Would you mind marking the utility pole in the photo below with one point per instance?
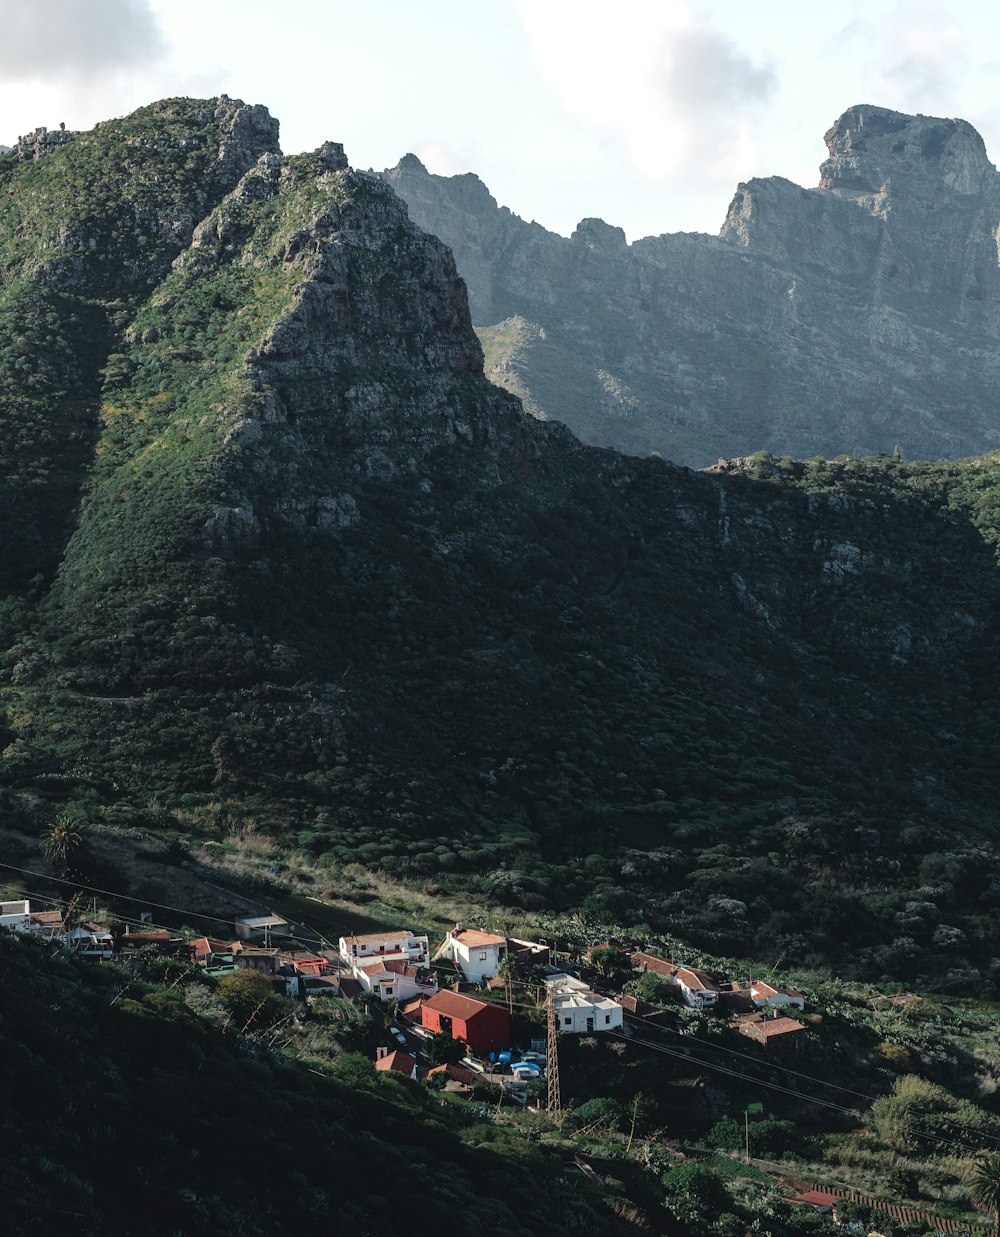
(554, 1102)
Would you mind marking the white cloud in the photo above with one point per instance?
(445, 160)
(671, 92)
(52, 39)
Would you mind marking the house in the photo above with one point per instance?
(397, 1062)
(697, 988)
(47, 923)
(302, 962)
(764, 995)
(15, 916)
(263, 926)
(393, 942)
(460, 1079)
(579, 1011)
(409, 1010)
(636, 1008)
(204, 948)
(395, 978)
(819, 1200)
(482, 1027)
(255, 958)
(221, 964)
(528, 954)
(476, 954)
(773, 1034)
(93, 941)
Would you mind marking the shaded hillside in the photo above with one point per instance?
(851, 317)
(123, 1107)
(326, 574)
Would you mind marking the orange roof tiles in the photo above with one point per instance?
(455, 1005)
(473, 938)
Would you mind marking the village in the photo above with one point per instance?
(478, 1013)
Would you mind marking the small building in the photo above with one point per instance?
(697, 988)
(393, 942)
(93, 941)
(579, 1011)
(821, 1201)
(255, 958)
(397, 1062)
(764, 995)
(476, 954)
(203, 948)
(255, 927)
(15, 916)
(482, 1027)
(528, 954)
(47, 923)
(773, 1034)
(302, 962)
(397, 979)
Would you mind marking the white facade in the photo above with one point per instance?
(696, 987)
(476, 954)
(393, 943)
(15, 916)
(395, 978)
(580, 1011)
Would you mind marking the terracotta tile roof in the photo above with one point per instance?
(689, 976)
(458, 1073)
(394, 966)
(399, 1062)
(455, 1005)
(472, 939)
(206, 945)
(816, 1198)
(765, 990)
(391, 934)
(773, 1027)
(46, 917)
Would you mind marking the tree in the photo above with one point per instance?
(652, 988)
(445, 1049)
(66, 843)
(695, 1194)
(609, 961)
(249, 996)
(985, 1187)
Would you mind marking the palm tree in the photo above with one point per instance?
(986, 1187)
(66, 841)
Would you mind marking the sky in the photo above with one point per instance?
(648, 119)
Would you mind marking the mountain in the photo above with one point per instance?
(302, 564)
(850, 318)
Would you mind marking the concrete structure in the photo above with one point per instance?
(395, 978)
(255, 926)
(764, 996)
(697, 988)
(392, 943)
(482, 1027)
(476, 954)
(15, 916)
(580, 1011)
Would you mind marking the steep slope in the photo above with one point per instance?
(325, 573)
(89, 223)
(848, 318)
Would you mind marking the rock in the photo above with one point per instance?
(848, 318)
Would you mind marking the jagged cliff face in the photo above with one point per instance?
(844, 319)
(323, 567)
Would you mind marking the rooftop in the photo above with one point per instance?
(390, 934)
(455, 1005)
(399, 1062)
(473, 938)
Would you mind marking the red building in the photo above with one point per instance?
(483, 1027)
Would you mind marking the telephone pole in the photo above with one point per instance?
(554, 1103)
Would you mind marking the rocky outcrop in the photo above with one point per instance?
(849, 318)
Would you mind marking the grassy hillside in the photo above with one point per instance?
(328, 578)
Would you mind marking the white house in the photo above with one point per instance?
(765, 995)
(476, 954)
(396, 978)
(579, 1011)
(16, 916)
(698, 989)
(392, 943)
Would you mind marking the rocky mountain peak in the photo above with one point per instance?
(869, 146)
(601, 236)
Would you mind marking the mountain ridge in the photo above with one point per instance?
(841, 319)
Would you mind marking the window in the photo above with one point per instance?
(482, 956)
(607, 1018)
(568, 1022)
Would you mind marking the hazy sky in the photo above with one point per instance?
(648, 118)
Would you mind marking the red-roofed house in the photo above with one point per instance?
(476, 954)
(397, 1062)
(763, 994)
(780, 1034)
(395, 977)
(483, 1027)
(698, 989)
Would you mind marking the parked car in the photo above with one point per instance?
(398, 1036)
(538, 1058)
